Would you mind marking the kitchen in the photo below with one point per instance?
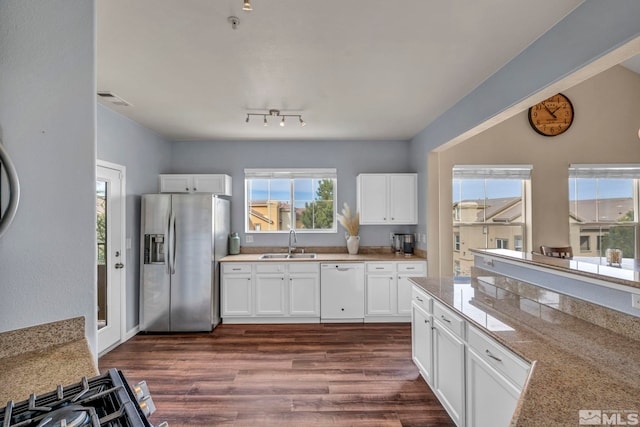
(65, 151)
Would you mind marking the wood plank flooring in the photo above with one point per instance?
(282, 375)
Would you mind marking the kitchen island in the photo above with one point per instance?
(585, 356)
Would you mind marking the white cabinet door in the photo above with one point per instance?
(491, 399)
(270, 295)
(176, 183)
(304, 295)
(448, 371)
(236, 295)
(216, 184)
(381, 294)
(404, 295)
(372, 198)
(403, 194)
(422, 342)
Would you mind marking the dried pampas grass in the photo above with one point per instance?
(350, 223)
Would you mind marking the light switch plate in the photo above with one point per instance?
(248, 239)
(635, 300)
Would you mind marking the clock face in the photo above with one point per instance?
(552, 116)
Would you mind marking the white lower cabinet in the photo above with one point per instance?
(422, 342)
(236, 290)
(304, 294)
(270, 292)
(270, 295)
(477, 379)
(448, 370)
(388, 290)
(491, 398)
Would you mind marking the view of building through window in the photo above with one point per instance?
(487, 211)
(282, 201)
(603, 212)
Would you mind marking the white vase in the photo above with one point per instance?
(353, 244)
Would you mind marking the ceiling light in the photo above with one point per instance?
(247, 5)
(276, 113)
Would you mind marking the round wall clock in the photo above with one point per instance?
(552, 116)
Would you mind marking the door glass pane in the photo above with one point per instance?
(101, 230)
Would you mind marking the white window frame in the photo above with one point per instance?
(614, 171)
(291, 174)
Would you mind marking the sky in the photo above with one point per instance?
(584, 188)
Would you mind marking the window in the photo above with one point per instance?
(585, 244)
(517, 243)
(279, 200)
(488, 209)
(603, 207)
(502, 244)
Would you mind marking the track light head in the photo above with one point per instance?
(247, 120)
(265, 120)
(247, 5)
(302, 122)
(282, 122)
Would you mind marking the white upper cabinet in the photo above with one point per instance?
(217, 184)
(388, 198)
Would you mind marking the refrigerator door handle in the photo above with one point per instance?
(172, 244)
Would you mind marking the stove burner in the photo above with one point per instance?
(67, 416)
(106, 400)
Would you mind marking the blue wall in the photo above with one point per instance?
(145, 155)
(349, 157)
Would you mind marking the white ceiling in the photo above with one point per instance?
(354, 69)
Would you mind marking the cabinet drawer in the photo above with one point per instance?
(379, 267)
(412, 267)
(421, 299)
(269, 267)
(304, 267)
(499, 357)
(232, 267)
(449, 319)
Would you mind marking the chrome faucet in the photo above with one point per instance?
(292, 246)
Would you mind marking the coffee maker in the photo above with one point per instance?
(403, 243)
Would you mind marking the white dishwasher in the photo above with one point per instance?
(342, 292)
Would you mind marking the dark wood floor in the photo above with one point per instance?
(282, 375)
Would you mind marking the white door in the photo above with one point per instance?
(110, 231)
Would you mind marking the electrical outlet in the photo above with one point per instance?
(248, 238)
(635, 300)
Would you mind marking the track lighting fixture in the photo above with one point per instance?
(247, 5)
(276, 113)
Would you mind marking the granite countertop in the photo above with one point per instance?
(326, 257)
(577, 365)
(38, 358)
(628, 274)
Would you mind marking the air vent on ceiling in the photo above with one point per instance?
(113, 99)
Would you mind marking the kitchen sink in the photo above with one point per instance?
(303, 256)
(288, 256)
(274, 256)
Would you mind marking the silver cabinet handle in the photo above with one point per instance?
(411, 268)
(426, 321)
(119, 265)
(492, 356)
(419, 299)
(444, 318)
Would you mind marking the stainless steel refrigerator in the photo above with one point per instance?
(183, 238)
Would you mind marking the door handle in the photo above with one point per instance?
(119, 265)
